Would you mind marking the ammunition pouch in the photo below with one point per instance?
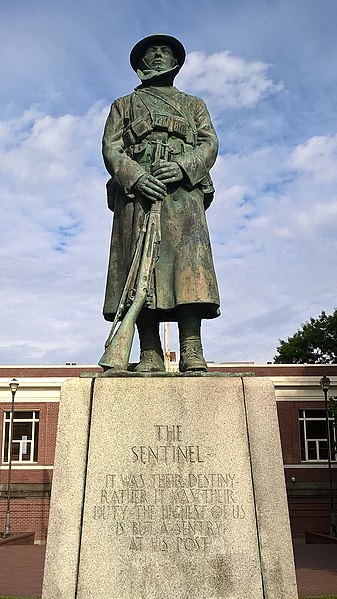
(144, 151)
(136, 131)
(175, 125)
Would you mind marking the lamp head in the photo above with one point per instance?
(13, 385)
(325, 383)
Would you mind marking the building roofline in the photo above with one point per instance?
(32, 371)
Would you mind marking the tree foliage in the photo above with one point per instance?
(314, 343)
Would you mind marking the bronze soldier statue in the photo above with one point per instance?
(156, 116)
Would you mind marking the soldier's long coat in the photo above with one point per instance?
(184, 272)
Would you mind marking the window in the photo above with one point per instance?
(314, 444)
(24, 437)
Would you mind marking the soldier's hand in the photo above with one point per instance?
(151, 188)
(168, 172)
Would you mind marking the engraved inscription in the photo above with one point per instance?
(168, 453)
(176, 511)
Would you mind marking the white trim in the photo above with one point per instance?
(26, 466)
(306, 465)
(35, 400)
(35, 381)
(32, 400)
(297, 399)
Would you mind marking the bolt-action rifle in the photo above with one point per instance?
(138, 283)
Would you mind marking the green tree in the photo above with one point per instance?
(314, 343)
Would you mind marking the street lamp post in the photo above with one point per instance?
(325, 384)
(7, 531)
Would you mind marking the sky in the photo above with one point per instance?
(267, 71)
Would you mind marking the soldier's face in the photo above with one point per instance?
(159, 58)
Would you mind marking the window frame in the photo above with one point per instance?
(303, 418)
(32, 443)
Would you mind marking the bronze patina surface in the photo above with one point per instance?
(158, 146)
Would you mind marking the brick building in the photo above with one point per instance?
(300, 405)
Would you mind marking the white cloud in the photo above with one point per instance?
(53, 259)
(226, 80)
(274, 241)
(317, 156)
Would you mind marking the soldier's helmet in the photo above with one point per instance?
(176, 46)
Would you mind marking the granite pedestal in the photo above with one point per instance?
(169, 488)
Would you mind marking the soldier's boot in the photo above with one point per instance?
(191, 354)
(151, 353)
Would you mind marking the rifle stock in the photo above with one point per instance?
(127, 293)
(118, 345)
